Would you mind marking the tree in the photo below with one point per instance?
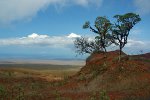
(102, 40)
(84, 45)
(122, 28)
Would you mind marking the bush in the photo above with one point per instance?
(3, 92)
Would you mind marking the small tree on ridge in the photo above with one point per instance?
(122, 28)
(102, 27)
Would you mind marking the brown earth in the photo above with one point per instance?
(103, 77)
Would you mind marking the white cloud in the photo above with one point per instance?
(37, 40)
(16, 10)
(40, 40)
(73, 35)
(35, 36)
(143, 6)
(135, 46)
(136, 43)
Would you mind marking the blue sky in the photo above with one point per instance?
(43, 28)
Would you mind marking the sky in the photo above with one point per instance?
(47, 28)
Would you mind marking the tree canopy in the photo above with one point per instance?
(107, 33)
(124, 23)
(102, 28)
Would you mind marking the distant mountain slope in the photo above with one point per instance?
(146, 55)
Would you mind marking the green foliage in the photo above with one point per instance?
(82, 77)
(99, 96)
(107, 33)
(93, 97)
(86, 25)
(3, 92)
(36, 86)
(6, 74)
(57, 95)
(102, 40)
(102, 29)
(20, 95)
(65, 79)
(97, 70)
(122, 28)
(103, 25)
(35, 95)
(84, 45)
(95, 73)
(104, 96)
(16, 93)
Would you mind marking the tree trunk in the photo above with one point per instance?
(120, 52)
(105, 52)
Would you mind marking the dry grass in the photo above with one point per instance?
(125, 80)
(29, 83)
(49, 73)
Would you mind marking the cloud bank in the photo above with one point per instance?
(143, 6)
(38, 40)
(35, 39)
(135, 46)
(16, 10)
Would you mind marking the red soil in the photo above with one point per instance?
(128, 78)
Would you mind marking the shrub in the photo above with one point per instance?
(3, 92)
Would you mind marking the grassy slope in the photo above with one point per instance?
(28, 82)
(99, 78)
(128, 79)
